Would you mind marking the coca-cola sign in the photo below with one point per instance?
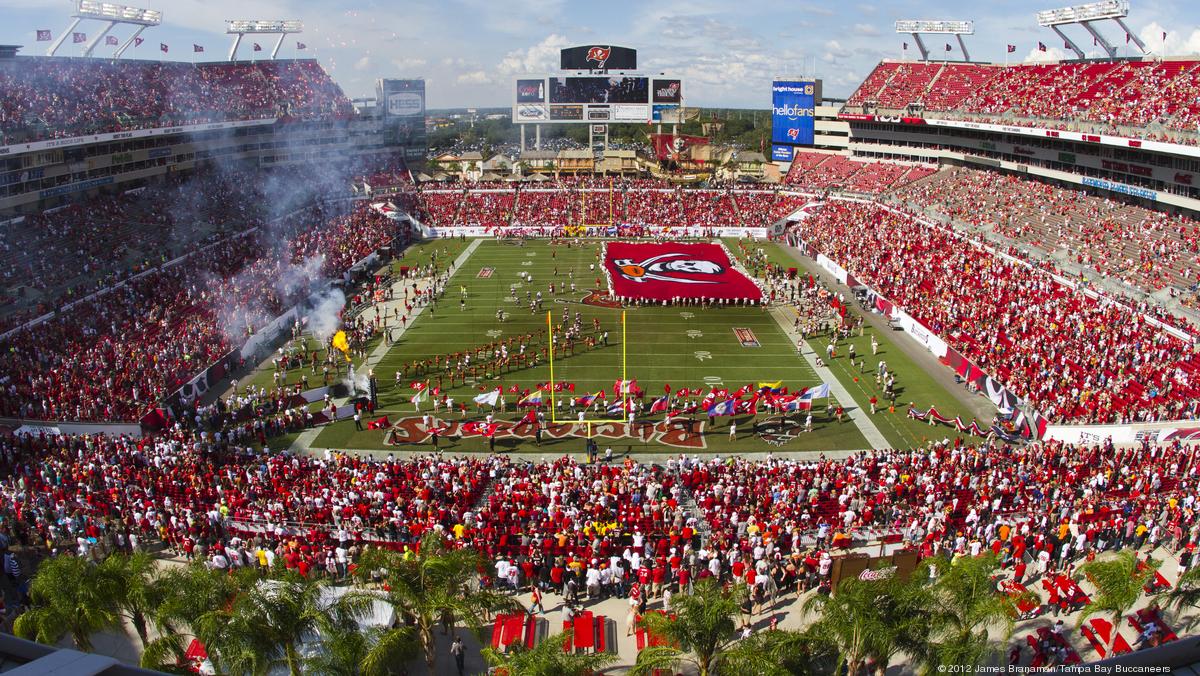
(877, 574)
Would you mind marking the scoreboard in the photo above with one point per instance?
(594, 99)
(793, 108)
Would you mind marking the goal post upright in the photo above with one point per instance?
(550, 359)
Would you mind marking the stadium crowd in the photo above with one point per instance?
(823, 171)
(43, 97)
(591, 531)
(110, 357)
(1107, 96)
(1073, 357)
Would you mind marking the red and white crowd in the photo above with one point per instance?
(822, 171)
(43, 97)
(1106, 95)
(1073, 357)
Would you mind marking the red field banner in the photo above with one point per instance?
(673, 271)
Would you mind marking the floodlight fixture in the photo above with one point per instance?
(1087, 16)
(240, 28)
(111, 14)
(918, 27)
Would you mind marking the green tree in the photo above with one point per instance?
(546, 659)
(187, 594)
(350, 651)
(1185, 597)
(70, 596)
(1118, 583)
(436, 583)
(702, 632)
(967, 606)
(872, 619)
(266, 624)
(134, 579)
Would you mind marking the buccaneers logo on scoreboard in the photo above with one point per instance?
(793, 133)
(599, 55)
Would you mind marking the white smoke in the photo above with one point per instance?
(322, 319)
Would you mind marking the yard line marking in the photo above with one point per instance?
(859, 417)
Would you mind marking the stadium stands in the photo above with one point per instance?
(43, 97)
(822, 171)
(1146, 249)
(1074, 358)
(1115, 96)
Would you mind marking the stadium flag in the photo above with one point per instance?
(1066, 45)
(727, 407)
(948, 46)
(798, 403)
(586, 400)
(819, 392)
(667, 388)
(489, 398)
(660, 404)
(43, 36)
(137, 42)
(1095, 42)
(78, 37)
(111, 40)
(1127, 38)
(1041, 46)
(534, 398)
(1164, 35)
(421, 395)
(197, 48)
(1012, 48)
(774, 387)
(257, 47)
(514, 388)
(162, 47)
(906, 46)
(301, 46)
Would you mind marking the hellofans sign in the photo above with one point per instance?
(793, 109)
(673, 271)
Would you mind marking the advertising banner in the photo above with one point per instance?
(793, 109)
(781, 153)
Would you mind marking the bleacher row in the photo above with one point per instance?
(1107, 94)
(43, 98)
(823, 171)
(491, 208)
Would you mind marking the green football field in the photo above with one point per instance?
(680, 346)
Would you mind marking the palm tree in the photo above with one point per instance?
(186, 595)
(703, 630)
(1119, 584)
(547, 659)
(872, 619)
(349, 651)
(433, 584)
(266, 625)
(135, 581)
(69, 596)
(967, 606)
(1186, 595)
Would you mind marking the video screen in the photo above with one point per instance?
(602, 89)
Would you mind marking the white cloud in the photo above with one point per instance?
(363, 63)
(1178, 42)
(866, 29)
(540, 58)
(474, 77)
(1036, 55)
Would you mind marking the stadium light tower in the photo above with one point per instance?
(918, 27)
(243, 27)
(111, 14)
(1086, 16)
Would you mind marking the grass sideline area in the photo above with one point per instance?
(682, 346)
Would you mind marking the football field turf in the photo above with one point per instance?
(681, 346)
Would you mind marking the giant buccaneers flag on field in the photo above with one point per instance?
(669, 271)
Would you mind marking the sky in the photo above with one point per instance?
(469, 51)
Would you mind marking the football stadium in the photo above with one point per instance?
(471, 348)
